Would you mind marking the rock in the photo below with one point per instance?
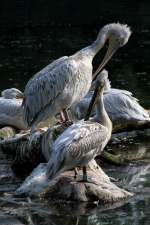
(65, 187)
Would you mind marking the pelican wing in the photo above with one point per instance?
(118, 91)
(46, 86)
(11, 113)
(77, 133)
(88, 139)
(121, 105)
(9, 106)
(75, 144)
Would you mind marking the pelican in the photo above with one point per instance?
(10, 108)
(120, 105)
(11, 93)
(68, 79)
(83, 140)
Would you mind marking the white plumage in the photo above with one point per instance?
(120, 105)
(68, 79)
(123, 107)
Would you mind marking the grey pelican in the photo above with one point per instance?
(83, 140)
(68, 79)
(120, 105)
(10, 108)
(11, 93)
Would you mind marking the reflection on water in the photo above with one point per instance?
(25, 52)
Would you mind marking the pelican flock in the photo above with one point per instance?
(68, 79)
(120, 105)
(65, 84)
(83, 140)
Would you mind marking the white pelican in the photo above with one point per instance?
(83, 140)
(68, 79)
(10, 108)
(120, 105)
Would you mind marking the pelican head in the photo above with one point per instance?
(103, 73)
(12, 93)
(101, 80)
(117, 35)
(107, 81)
(99, 84)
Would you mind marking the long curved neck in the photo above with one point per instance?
(93, 49)
(97, 45)
(101, 114)
(99, 42)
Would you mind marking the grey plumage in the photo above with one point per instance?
(120, 105)
(80, 143)
(10, 109)
(50, 88)
(68, 79)
(12, 93)
(76, 146)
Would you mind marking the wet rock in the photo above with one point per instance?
(65, 187)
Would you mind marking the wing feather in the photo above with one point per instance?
(75, 133)
(46, 86)
(74, 146)
(9, 106)
(121, 105)
(11, 113)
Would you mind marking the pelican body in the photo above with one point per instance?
(68, 79)
(10, 108)
(82, 141)
(120, 105)
(12, 93)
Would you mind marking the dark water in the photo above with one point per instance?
(22, 54)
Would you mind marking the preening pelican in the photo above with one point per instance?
(120, 105)
(83, 140)
(68, 79)
(10, 108)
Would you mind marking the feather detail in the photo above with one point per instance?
(77, 145)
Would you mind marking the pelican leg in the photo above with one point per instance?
(84, 176)
(75, 172)
(65, 118)
(62, 116)
(66, 115)
(68, 120)
(85, 179)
